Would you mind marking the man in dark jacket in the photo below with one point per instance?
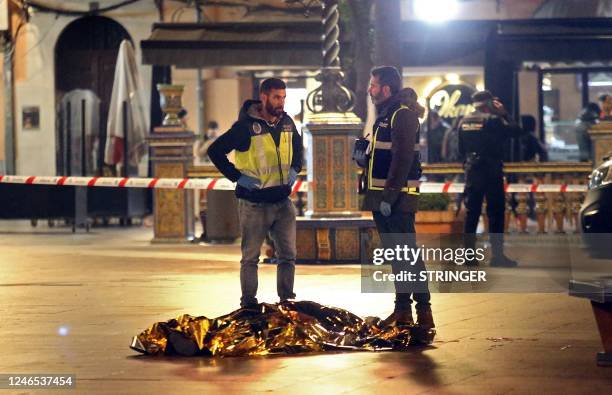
(530, 144)
(436, 129)
(393, 170)
(588, 117)
(268, 157)
(482, 134)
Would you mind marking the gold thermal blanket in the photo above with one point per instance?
(284, 328)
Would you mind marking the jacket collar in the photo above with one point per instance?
(251, 109)
(383, 108)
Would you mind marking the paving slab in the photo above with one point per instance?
(72, 302)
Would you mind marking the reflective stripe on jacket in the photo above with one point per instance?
(380, 157)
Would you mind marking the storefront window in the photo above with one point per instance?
(562, 104)
(571, 105)
(446, 95)
(599, 84)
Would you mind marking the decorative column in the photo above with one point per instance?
(332, 230)
(508, 212)
(541, 210)
(331, 132)
(171, 155)
(559, 210)
(522, 209)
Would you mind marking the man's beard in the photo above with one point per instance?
(277, 111)
(375, 99)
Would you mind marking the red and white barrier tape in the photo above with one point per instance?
(132, 182)
(225, 184)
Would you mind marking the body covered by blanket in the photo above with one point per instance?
(289, 327)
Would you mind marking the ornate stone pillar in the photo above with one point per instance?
(333, 230)
(331, 172)
(171, 150)
(331, 132)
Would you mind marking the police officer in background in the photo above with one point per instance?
(393, 169)
(482, 134)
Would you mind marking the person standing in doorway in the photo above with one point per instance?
(587, 118)
(436, 129)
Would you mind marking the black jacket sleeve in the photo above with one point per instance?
(233, 139)
(298, 150)
(403, 138)
(460, 146)
(542, 153)
(511, 129)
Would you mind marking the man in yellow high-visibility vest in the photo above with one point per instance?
(268, 157)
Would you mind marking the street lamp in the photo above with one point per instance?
(332, 229)
(435, 10)
(331, 96)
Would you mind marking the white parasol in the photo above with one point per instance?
(126, 87)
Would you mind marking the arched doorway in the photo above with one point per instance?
(85, 58)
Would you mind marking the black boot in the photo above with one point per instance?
(502, 261)
(399, 318)
(498, 258)
(425, 318)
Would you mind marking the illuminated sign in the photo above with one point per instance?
(451, 100)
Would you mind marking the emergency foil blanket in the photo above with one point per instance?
(284, 328)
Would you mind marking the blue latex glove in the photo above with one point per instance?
(385, 208)
(292, 177)
(249, 182)
(361, 158)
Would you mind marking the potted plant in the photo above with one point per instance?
(436, 215)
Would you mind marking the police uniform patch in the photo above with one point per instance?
(472, 126)
(256, 128)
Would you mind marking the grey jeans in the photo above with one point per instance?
(256, 220)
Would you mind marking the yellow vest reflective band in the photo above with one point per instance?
(380, 157)
(265, 161)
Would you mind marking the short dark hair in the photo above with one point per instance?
(528, 122)
(388, 75)
(593, 107)
(213, 125)
(271, 83)
(603, 97)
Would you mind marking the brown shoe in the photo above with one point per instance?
(425, 318)
(398, 317)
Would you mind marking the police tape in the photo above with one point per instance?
(225, 184)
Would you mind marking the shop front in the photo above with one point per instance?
(548, 68)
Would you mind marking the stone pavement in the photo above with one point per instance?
(71, 304)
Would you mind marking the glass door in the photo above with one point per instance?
(562, 102)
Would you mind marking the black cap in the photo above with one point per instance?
(481, 98)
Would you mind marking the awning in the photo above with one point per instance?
(281, 44)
